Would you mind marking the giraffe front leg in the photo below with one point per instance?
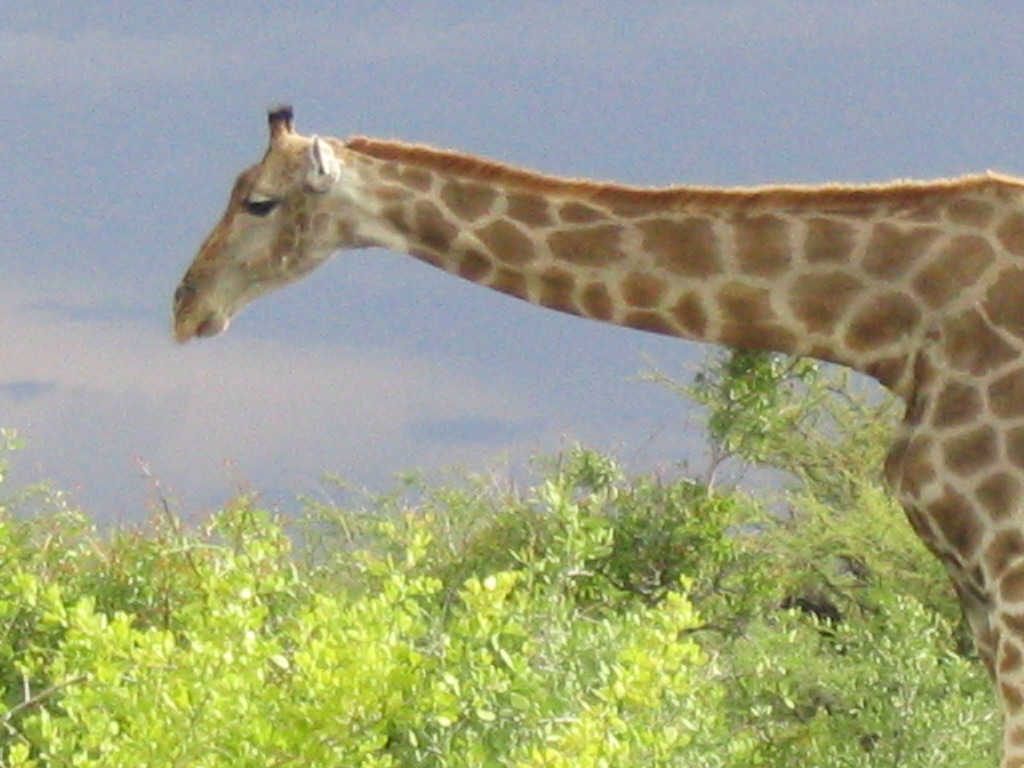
(1008, 642)
(1010, 682)
(968, 520)
(989, 581)
(997, 625)
(1001, 563)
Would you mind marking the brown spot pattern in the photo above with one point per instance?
(1010, 657)
(511, 282)
(819, 300)
(1015, 446)
(882, 321)
(954, 516)
(474, 266)
(973, 213)
(400, 217)
(820, 351)
(924, 212)
(689, 312)
(1013, 700)
(643, 290)
(888, 371)
(1017, 739)
(1015, 623)
(686, 247)
(467, 200)
(999, 495)
(391, 194)
(1006, 395)
(1005, 301)
(762, 245)
(744, 304)
(407, 176)
(556, 290)
(972, 452)
(748, 320)
(1006, 546)
(893, 465)
(531, 210)
(1011, 233)
(432, 229)
(580, 213)
(649, 321)
(507, 242)
(428, 257)
(959, 266)
(597, 302)
(588, 246)
(971, 345)
(915, 469)
(892, 250)
(771, 337)
(957, 404)
(829, 240)
(1011, 585)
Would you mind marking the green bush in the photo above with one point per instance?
(591, 619)
(246, 665)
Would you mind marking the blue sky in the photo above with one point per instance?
(125, 123)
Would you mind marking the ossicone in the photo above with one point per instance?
(281, 120)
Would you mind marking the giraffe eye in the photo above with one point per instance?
(184, 292)
(261, 206)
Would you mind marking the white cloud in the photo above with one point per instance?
(114, 393)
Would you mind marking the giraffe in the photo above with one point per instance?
(919, 285)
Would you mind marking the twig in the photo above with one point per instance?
(39, 698)
(165, 504)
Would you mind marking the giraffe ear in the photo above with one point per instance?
(323, 167)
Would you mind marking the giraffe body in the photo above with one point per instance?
(917, 284)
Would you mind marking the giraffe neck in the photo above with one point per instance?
(853, 275)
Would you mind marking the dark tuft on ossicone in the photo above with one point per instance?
(281, 116)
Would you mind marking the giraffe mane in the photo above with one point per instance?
(473, 168)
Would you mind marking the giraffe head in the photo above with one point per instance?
(281, 222)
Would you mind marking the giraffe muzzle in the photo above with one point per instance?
(212, 325)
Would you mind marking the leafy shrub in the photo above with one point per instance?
(244, 664)
(592, 619)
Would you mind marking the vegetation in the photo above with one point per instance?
(592, 619)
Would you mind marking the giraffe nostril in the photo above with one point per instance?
(212, 325)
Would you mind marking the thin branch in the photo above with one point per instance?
(39, 698)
